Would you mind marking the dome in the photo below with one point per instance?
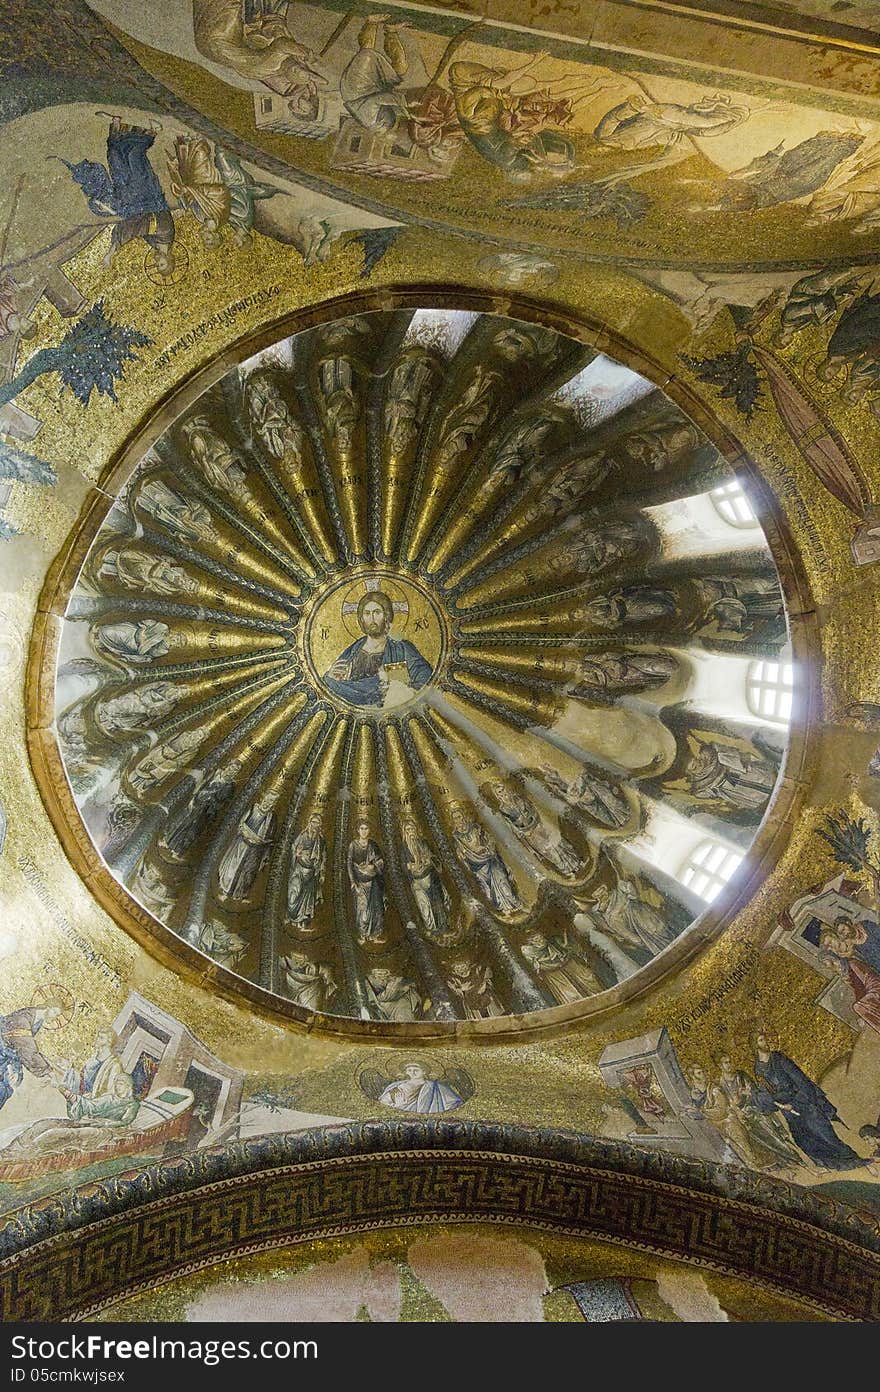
(410, 677)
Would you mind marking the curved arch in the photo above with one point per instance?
(72, 1255)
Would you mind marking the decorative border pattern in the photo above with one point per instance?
(73, 1254)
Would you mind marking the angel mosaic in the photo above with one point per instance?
(420, 1089)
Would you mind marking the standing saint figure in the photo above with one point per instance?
(308, 861)
(409, 396)
(152, 891)
(142, 570)
(360, 674)
(428, 888)
(341, 404)
(213, 456)
(245, 857)
(281, 436)
(561, 966)
(605, 802)
(808, 1112)
(466, 418)
(472, 983)
(624, 914)
(132, 641)
(633, 604)
(179, 515)
(632, 671)
(164, 760)
(547, 842)
(480, 855)
(201, 812)
(139, 708)
(366, 875)
(729, 773)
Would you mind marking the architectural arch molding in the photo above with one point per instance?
(76, 1253)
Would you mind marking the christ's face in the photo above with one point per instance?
(415, 1072)
(373, 619)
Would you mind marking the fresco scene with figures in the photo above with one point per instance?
(439, 575)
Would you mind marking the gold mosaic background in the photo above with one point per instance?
(709, 323)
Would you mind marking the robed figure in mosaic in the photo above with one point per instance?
(366, 875)
(808, 1112)
(480, 854)
(428, 889)
(246, 856)
(308, 861)
(364, 671)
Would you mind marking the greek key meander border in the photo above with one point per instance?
(376, 1225)
(493, 1163)
(764, 852)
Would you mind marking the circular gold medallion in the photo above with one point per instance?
(374, 640)
(391, 744)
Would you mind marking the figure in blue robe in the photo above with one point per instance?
(360, 675)
(363, 686)
(128, 190)
(807, 1110)
(19, 1047)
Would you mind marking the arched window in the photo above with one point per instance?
(708, 868)
(732, 504)
(769, 688)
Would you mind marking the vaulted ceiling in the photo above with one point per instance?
(438, 501)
